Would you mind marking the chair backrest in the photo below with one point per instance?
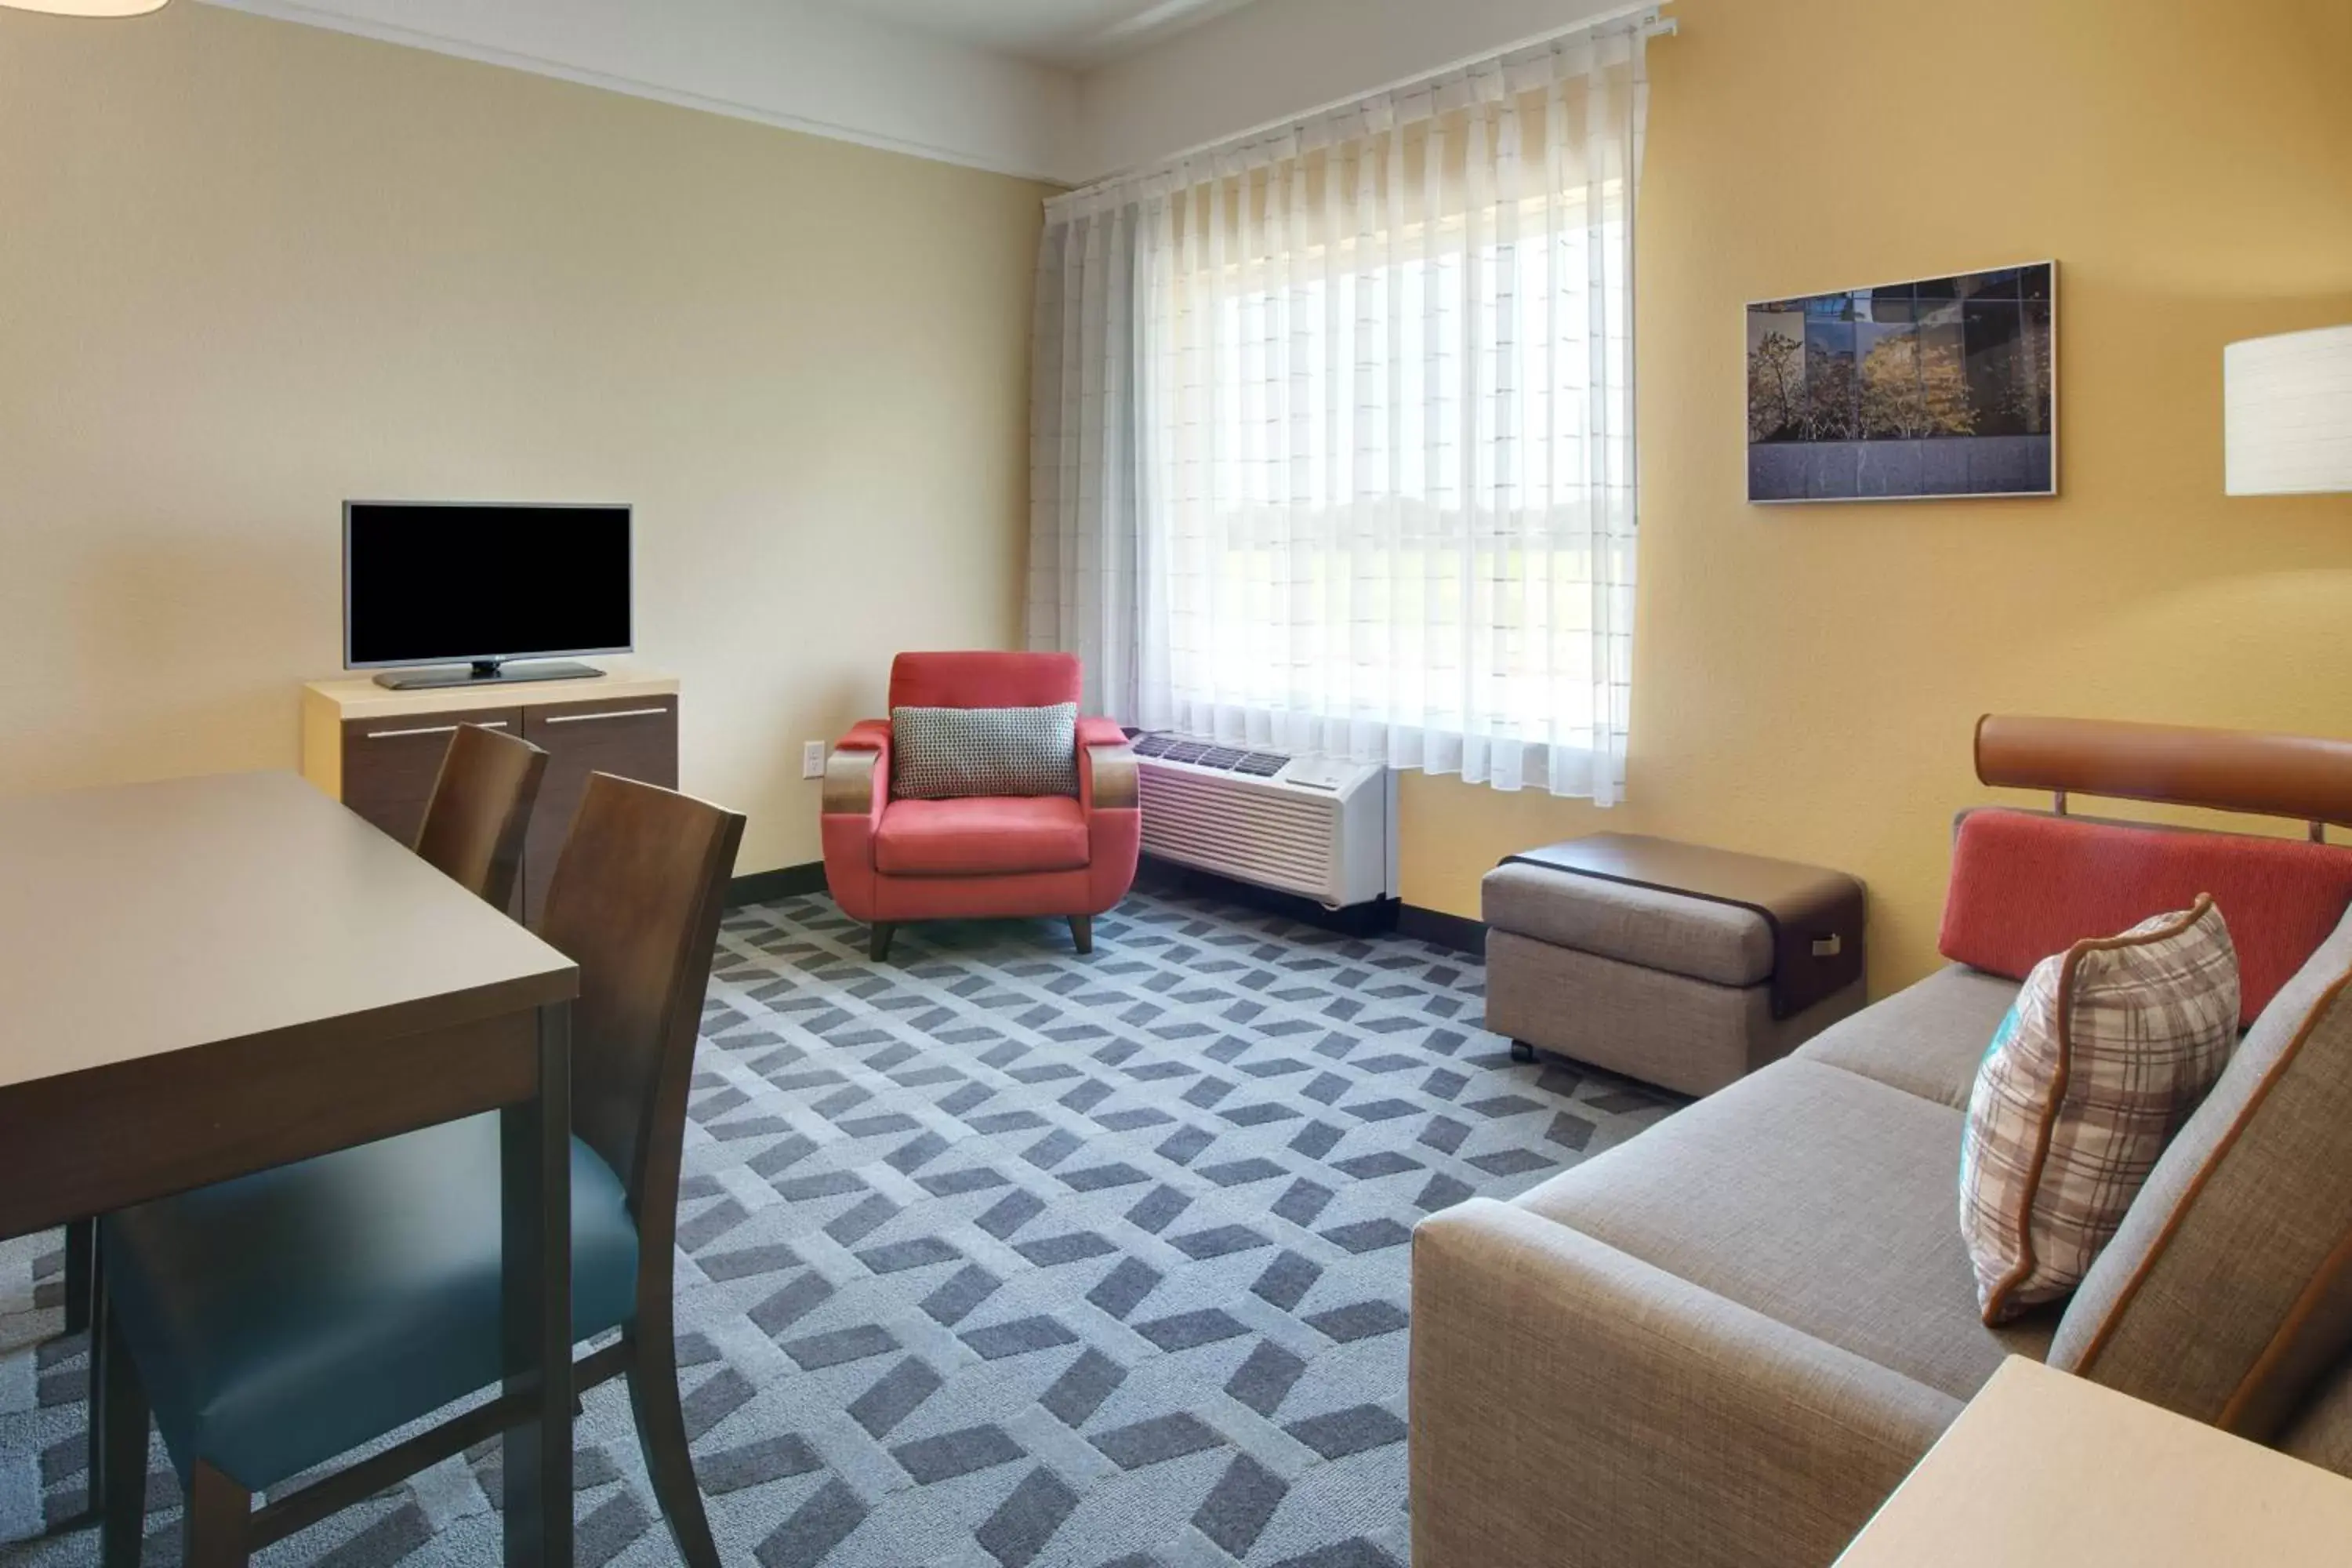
(636, 902)
(481, 804)
(984, 679)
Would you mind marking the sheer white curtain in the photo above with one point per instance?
(1086, 540)
(1335, 445)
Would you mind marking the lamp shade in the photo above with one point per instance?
(2288, 413)
(86, 7)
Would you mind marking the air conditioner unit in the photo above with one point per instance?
(1323, 829)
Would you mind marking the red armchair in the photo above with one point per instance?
(891, 861)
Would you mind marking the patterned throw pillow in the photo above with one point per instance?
(947, 753)
(2111, 1044)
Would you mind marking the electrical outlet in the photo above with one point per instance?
(813, 760)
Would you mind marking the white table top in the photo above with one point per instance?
(2047, 1471)
(151, 917)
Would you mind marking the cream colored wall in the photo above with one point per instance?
(1806, 677)
(249, 268)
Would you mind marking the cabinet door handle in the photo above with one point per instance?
(432, 729)
(616, 713)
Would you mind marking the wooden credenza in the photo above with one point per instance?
(378, 751)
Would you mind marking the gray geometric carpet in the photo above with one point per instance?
(997, 1256)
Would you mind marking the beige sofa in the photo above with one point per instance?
(1726, 1341)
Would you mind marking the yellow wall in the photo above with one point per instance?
(1806, 677)
(249, 268)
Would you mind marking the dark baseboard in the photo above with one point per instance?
(783, 882)
(1376, 917)
(1438, 929)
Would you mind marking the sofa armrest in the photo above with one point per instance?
(857, 772)
(1108, 780)
(1573, 1405)
(1111, 790)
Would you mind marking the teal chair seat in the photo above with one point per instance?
(270, 1324)
(288, 1317)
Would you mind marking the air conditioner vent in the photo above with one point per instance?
(1202, 754)
(1224, 809)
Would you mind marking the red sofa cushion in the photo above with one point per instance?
(984, 679)
(2025, 886)
(982, 835)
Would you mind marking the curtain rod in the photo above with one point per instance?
(1648, 15)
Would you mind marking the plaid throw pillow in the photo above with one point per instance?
(2111, 1044)
(946, 753)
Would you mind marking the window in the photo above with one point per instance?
(1383, 454)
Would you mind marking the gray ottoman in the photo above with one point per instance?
(1678, 965)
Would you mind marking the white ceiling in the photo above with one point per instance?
(832, 68)
(1070, 33)
(1065, 91)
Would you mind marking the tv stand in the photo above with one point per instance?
(379, 751)
(485, 671)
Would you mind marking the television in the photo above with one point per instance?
(472, 586)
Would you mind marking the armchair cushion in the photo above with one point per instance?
(950, 753)
(982, 835)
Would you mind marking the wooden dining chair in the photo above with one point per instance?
(480, 809)
(274, 1322)
(473, 831)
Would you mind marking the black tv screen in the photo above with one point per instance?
(442, 584)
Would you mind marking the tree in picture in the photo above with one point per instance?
(1913, 390)
(1942, 387)
(1832, 397)
(1775, 386)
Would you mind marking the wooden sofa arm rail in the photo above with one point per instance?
(849, 775)
(1118, 785)
(2301, 776)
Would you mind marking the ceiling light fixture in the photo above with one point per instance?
(86, 7)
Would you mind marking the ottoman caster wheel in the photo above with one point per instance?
(1522, 1052)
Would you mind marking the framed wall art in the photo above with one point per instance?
(1938, 387)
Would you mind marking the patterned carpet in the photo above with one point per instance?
(1000, 1257)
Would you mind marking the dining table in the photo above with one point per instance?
(204, 977)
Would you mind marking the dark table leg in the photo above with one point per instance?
(535, 1148)
(94, 1284)
(81, 1274)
